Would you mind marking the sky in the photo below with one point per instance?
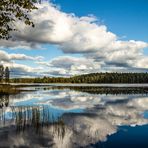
(73, 37)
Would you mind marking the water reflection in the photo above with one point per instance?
(4, 101)
(85, 117)
(103, 120)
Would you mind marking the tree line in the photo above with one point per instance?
(90, 78)
(4, 74)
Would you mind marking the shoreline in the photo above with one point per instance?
(82, 84)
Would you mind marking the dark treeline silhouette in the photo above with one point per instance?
(90, 78)
(104, 89)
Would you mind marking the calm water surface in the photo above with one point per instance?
(90, 119)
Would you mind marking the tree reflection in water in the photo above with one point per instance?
(4, 101)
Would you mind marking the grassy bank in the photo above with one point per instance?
(6, 89)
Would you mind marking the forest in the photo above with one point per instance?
(89, 78)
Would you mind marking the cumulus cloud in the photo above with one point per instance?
(68, 66)
(18, 44)
(4, 56)
(20, 70)
(24, 57)
(101, 49)
(121, 56)
(73, 34)
(83, 35)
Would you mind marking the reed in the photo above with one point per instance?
(34, 117)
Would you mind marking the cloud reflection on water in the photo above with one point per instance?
(102, 116)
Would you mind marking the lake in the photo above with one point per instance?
(73, 116)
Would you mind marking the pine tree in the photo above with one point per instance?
(1, 72)
(7, 74)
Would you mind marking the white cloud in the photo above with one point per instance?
(68, 66)
(4, 56)
(24, 57)
(73, 34)
(122, 55)
(101, 49)
(18, 44)
(20, 70)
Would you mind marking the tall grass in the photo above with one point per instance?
(8, 89)
(34, 117)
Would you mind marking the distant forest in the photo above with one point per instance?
(90, 78)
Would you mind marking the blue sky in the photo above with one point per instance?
(80, 36)
(126, 18)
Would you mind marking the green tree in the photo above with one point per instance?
(11, 11)
(1, 72)
(7, 74)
